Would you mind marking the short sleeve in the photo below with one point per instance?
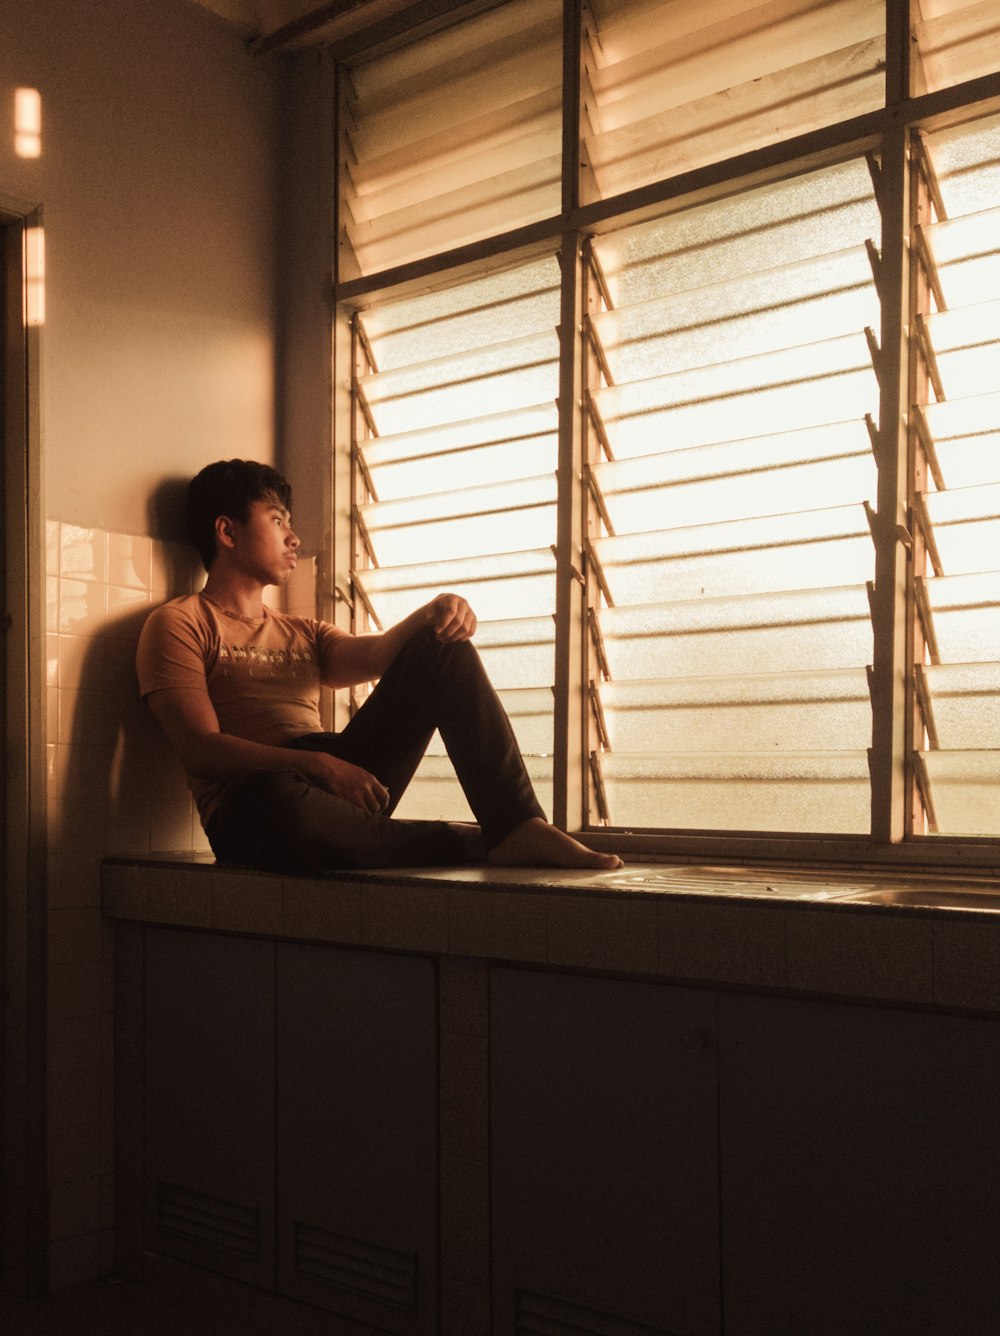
(328, 637)
(172, 652)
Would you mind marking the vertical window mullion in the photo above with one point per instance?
(596, 373)
(338, 601)
(362, 430)
(569, 725)
(897, 51)
(889, 603)
(916, 641)
(569, 755)
(571, 109)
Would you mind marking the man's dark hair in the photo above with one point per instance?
(228, 488)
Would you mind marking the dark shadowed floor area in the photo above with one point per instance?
(105, 1309)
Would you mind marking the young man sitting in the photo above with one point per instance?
(235, 687)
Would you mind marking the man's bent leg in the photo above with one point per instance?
(280, 820)
(428, 686)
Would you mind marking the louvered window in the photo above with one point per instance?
(735, 487)
(668, 87)
(455, 458)
(667, 333)
(453, 138)
(952, 41)
(956, 486)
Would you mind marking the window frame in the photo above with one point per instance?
(886, 132)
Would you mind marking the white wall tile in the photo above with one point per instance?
(83, 553)
(78, 831)
(170, 826)
(82, 606)
(129, 560)
(175, 569)
(74, 934)
(52, 532)
(127, 610)
(71, 879)
(79, 662)
(82, 716)
(52, 603)
(128, 826)
(199, 840)
(51, 659)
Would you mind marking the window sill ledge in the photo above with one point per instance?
(793, 938)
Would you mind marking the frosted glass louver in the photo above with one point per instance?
(455, 454)
(956, 420)
(737, 396)
(455, 137)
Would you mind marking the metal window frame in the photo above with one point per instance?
(884, 134)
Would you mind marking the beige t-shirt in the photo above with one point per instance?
(263, 675)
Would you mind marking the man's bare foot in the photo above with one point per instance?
(534, 843)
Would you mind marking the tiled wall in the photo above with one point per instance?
(113, 787)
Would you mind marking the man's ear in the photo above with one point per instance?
(224, 531)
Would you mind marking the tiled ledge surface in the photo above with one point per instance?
(758, 938)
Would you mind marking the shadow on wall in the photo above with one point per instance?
(117, 760)
(115, 785)
(165, 511)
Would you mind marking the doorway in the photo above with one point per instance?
(22, 778)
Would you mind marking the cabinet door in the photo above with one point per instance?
(209, 1102)
(604, 1157)
(357, 1134)
(860, 1170)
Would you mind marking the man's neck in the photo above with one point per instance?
(235, 593)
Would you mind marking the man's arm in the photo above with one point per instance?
(189, 721)
(363, 658)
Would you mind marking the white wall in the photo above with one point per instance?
(156, 181)
(304, 257)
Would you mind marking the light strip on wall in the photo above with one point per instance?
(27, 123)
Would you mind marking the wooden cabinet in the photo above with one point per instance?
(357, 1135)
(604, 1156)
(209, 1102)
(290, 1114)
(860, 1170)
(662, 1159)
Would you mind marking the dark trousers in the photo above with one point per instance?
(279, 819)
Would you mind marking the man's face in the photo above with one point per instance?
(266, 546)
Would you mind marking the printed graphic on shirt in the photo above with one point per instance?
(254, 658)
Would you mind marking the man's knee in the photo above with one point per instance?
(438, 655)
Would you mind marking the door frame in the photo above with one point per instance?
(23, 788)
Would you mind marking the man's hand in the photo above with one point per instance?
(189, 721)
(451, 618)
(345, 780)
(366, 657)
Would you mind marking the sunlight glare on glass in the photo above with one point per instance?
(27, 123)
(438, 473)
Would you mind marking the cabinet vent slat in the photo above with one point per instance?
(196, 1215)
(364, 1268)
(544, 1315)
